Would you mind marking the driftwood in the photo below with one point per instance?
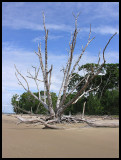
(103, 124)
(67, 119)
(36, 120)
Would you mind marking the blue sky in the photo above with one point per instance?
(22, 30)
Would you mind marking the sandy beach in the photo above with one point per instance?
(77, 141)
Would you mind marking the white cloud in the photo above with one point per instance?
(50, 37)
(105, 30)
(25, 24)
(59, 16)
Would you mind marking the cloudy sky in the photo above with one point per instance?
(22, 30)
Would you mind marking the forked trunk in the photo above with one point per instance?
(68, 75)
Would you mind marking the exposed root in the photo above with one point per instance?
(38, 121)
(104, 124)
(65, 119)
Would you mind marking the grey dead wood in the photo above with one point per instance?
(57, 115)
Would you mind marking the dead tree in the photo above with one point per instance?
(68, 75)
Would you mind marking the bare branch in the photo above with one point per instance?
(89, 33)
(75, 86)
(50, 71)
(86, 84)
(31, 76)
(107, 45)
(67, 75)
(76, 17)
(45, 105)
(22, 77)
(37, 72)
(70, 40)
(20, 82)
(84, 93)
(40, 58)
(37, 53)
(44, 21)
(99, 57)
(70, 76)
(28, 112)
(34, 78)
(83, 50)
(64, 79)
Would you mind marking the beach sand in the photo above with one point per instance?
(28, 141)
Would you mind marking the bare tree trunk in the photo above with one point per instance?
(61, 104)
(83, 109)
(44, 94)
(31, 110)
(50, 105)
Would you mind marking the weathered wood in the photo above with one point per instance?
(83, 109)
(104, 124)
(36, 120)
(61, 104)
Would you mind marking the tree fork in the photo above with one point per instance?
(61, 105)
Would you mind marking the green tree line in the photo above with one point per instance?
(103, 101)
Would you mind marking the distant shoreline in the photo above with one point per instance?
(7, 113)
